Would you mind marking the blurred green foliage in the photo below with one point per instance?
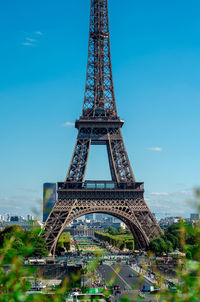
(185, 237)
(23, 243)
(16, 245)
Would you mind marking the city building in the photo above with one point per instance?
(21, 218)
(98, 224)
(83, 230)
(194, 217)
(99, 217)
(89, 216)
(30, 217)
(110, 219)
(167, 221)
(25, 225)
(14, 218)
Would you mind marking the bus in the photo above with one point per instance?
(36, 261)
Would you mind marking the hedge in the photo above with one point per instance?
(119, 241)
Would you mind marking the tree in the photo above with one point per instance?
(154, 247)
(34, 243)
(181, 236)
(65, 241)
(119, 241)
(173, 239)
(11, 231)
(188, 255)
(39, 247)
(159, 246)
(112, 231)
(121, 230)
(169, 246)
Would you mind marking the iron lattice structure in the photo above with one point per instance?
(99, 124)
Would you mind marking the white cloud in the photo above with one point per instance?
(31, 190)
(30, 39)
(177, 203)
(159, 193)
(159, 205)
(185, 192)
(156, 149)
(68, 124)
(19, 204)
(39, 33)
(27, 44)
(4, 199)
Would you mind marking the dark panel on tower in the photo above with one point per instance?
(49, 199)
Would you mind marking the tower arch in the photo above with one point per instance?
(62, 215)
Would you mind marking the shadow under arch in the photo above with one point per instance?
(141, 240)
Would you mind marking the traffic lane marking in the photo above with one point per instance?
(117, 274)
(109, 276)
(132, 281)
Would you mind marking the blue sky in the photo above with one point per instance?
(155, 47)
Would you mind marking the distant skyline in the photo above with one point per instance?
(155, 49)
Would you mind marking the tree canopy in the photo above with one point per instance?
(24, 243)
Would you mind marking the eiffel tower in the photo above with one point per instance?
(99, 124)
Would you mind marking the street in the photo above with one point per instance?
(124, 276)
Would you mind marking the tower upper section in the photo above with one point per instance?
(99, 99)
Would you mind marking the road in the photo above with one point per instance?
(119, 274)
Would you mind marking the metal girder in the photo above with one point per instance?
(120, 167)
(134, 212)
(100, 125)
(99, 97)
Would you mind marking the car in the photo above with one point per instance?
(131, 275)
(117, 289)
(147, 288)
